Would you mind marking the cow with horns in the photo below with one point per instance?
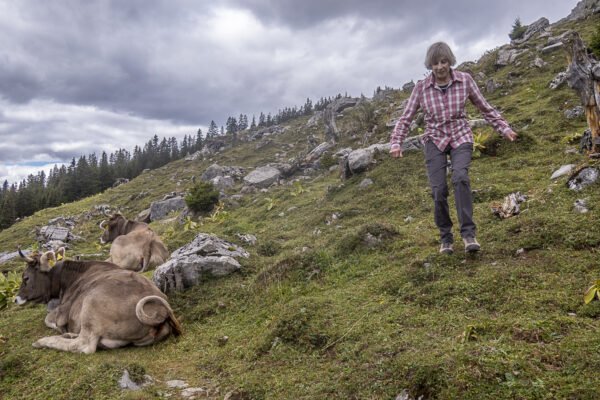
(134, 245)
(101, 305)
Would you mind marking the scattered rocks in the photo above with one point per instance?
(510, 206)
(365, 183)
(536, 27)
(538, 63)
(194, 156)
(574, 113)
(317, 152)
(6, 256)
(508, 56)
(408, 87)
(564, 170)
(205, 255)
(247, 238)
(119, 182)
(558, 80)
(583, 178)
(126, 383)
(551, 48)
(177, 384)
(579, 206)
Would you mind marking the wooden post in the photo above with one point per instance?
(583, 76)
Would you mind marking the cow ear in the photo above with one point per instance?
(47, 261)
(60, 254)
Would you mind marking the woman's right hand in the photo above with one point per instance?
(396, 153)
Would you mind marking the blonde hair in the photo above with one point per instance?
(436, 52)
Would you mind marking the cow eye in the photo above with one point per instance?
(25, 279)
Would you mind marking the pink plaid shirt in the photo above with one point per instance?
(445, 118)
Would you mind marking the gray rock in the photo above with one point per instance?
(223, 183)
(532, 29)
(160, 209)
(583, 9)
(583, 178)
(247, 238)
(558, 80)
(262, 177)
(408, 87)
(579, 206)
(127, 384)
(366, 182)
(212, 172)
(508, 56)
(317, 152)
(6, 256)
(551, 48)
(192, 392)
(576, 112)
(491, 86)
(359, 160)
(538, 63)
(205, 255)
(194, 156)
(177, 384)
(119, 182)
(564, 170)
(47, 233)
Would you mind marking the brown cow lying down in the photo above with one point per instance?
(134, 245)
(101, 305)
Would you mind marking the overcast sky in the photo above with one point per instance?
(83, 76)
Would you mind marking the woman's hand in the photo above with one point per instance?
(396, 153)
(512, 136)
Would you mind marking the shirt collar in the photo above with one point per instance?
(453, 77)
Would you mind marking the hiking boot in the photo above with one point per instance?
(447, 248)
(471, 245)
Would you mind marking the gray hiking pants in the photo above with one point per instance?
(435, 162)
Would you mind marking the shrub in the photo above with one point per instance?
(328, 161)
(202, 197)
(518, 30)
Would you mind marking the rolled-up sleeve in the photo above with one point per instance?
(490, 114)
(402, 125)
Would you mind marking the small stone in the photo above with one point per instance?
(305, 249)
(366, 182)
(317, 231)
(580, 207)
(281, 214)
(427, 265)
(223, 340)
(572, 314)
(189, 392)
(564, 170)
(520, 251)
(177, 384)
(408, 219)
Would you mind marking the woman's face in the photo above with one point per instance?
(441, 70)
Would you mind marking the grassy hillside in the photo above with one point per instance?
(317, 313)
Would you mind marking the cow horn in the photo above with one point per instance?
(28, 259)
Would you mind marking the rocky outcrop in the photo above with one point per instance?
(582, 10)
(205, 255)
(262, 177)
(558, 80)
(582, 178)
(161, 208)
(508, 56)
(216, 170)
(536, 27)
(317, 152)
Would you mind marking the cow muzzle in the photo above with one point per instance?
(20, 301)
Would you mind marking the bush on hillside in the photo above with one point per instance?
(518, 30)
(202, 197)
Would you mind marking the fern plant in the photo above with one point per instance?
(9, 285)
(478, 143)
(593, 291)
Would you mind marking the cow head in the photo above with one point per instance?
(36, 283)
(112, 227)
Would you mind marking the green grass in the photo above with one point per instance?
(325, 315)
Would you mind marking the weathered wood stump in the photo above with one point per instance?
(583, 76)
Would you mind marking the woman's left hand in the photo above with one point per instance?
(512, 136)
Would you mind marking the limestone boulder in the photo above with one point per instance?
(161, 208)
(206, 255)
(262, 177)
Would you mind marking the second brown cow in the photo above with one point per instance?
(134, 245)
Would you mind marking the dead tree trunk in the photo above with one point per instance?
(583, 76)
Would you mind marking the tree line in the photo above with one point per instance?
(92, 174)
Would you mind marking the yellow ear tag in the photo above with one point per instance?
(51, 262)
(59, 257)
(106, 227)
